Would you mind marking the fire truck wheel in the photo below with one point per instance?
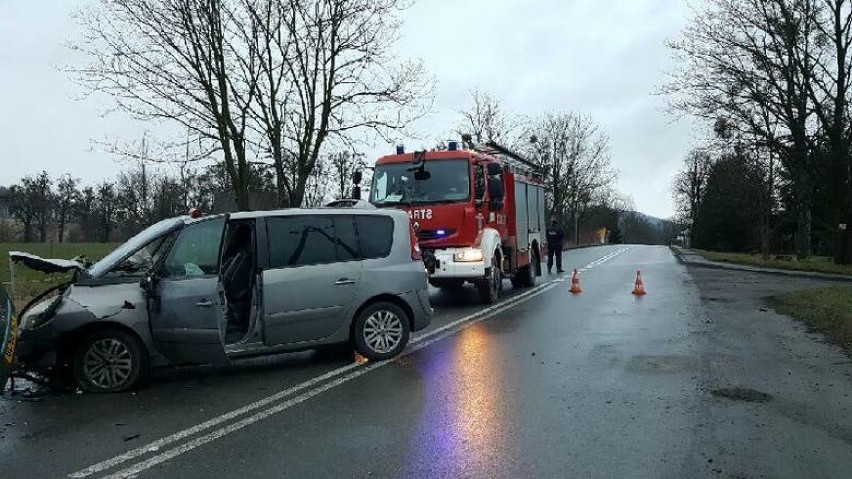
(449, 284)
(490, 286)
(524, 278)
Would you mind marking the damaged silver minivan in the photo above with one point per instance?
(206, 290)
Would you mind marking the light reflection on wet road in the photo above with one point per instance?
(463, 406)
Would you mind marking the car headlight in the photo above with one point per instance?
(468, 255)
(40, 315)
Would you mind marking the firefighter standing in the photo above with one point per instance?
(555, 236)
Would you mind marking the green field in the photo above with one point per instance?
(828, 310)
(29, 282)
(819, 264)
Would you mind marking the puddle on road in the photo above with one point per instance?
(742, 394)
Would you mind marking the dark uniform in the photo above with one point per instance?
(555, 235)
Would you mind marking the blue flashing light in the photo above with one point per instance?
(452, 145)
(400, 149)
(441, 232)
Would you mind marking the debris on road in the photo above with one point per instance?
(742, 394)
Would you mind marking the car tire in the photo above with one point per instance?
(381, 331)
(110, 361)
(489, 288)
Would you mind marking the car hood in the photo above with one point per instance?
(45, 265)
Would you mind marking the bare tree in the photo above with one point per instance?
(22, 209)
(689, 183)
(573, 153)
(180, 61)
(317, 187)
(85, 213)
(260, 79)
(136, 195)
(342, 165)
(744, 63)
(66, 196)
(39, 195)
(831, 23)
(343, 79)
(487, 120)
(105, 210)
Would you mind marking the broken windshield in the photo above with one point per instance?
(448, 181)
(133, 245)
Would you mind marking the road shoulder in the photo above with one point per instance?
(779, 395)
(693, 259)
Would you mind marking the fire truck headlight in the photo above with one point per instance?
(468, 255)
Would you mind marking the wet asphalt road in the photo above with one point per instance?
(545, 384)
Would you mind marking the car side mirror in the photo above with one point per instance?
(422, 175)
(357, 177)
(494, 169)
(495, 189)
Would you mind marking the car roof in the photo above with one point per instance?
(323, 211)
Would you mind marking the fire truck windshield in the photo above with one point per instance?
(448, 182)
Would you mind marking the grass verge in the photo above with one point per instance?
(819, 264)
(827, 310)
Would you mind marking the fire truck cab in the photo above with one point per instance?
(478, 213)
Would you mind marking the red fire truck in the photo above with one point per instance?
(478, 212)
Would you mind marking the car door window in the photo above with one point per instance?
(301, 241)
(346, 239)
(375, 235)
(196, 250)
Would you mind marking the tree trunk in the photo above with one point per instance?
(803, 227)
(844, 200)
(297, 197)
(28, 232)
(766, 214)
(764, 236)
(280, 178)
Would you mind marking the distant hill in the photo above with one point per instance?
(639, 228)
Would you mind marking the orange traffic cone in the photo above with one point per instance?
(639, 286)
(359, 359)
(575, 284)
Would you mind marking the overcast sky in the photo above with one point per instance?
(603, 58)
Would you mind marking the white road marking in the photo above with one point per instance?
(216, 421)
(135, 469)
(158, 444)
(604, 259)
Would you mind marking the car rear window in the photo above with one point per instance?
(301, 241)
(375, 235)
(346, 239)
